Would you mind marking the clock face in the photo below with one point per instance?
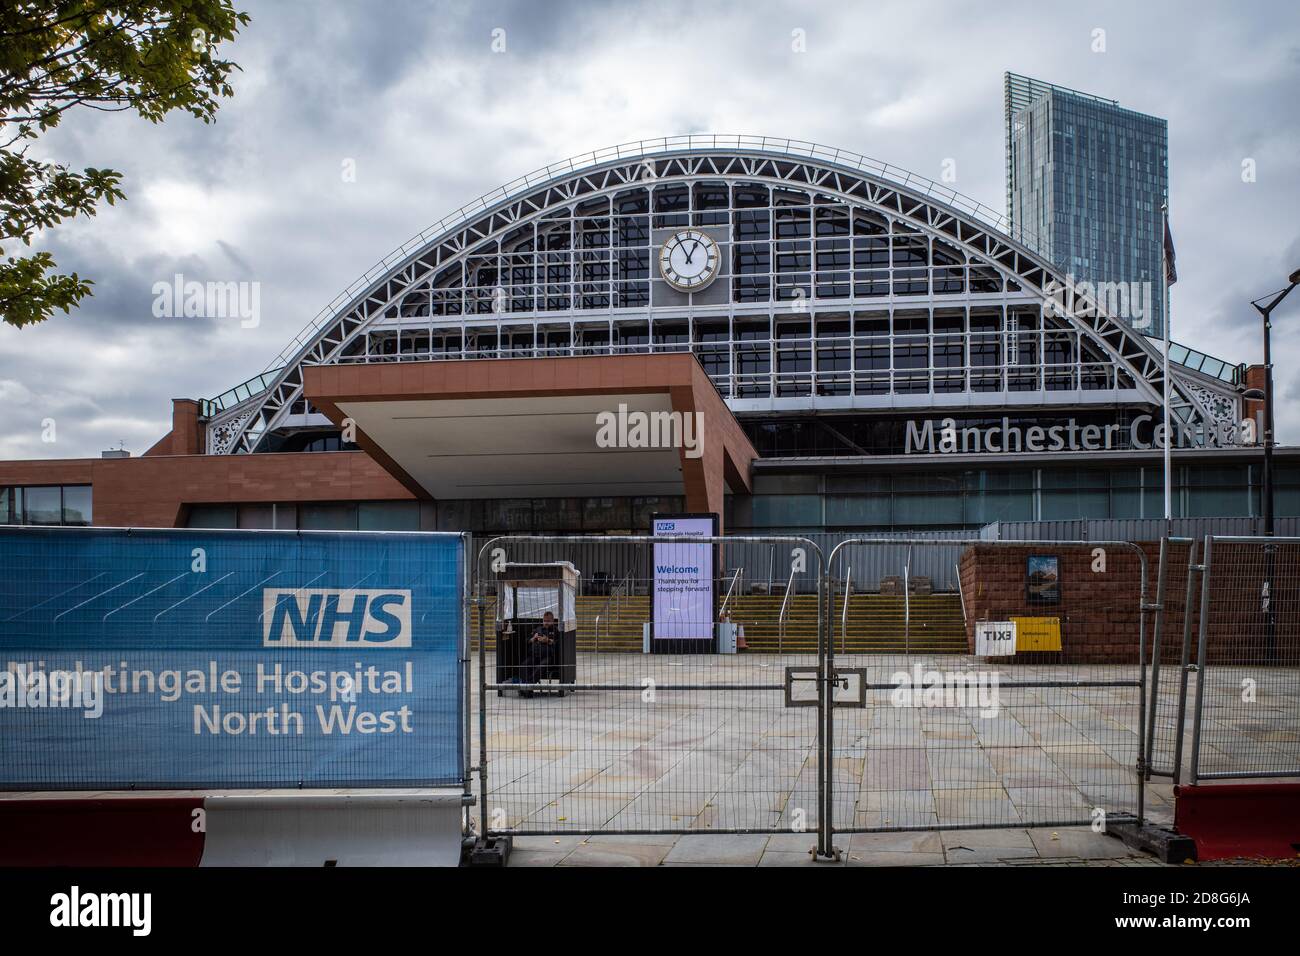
(689, 260)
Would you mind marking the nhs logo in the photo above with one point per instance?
(336, 617)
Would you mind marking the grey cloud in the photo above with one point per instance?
(411, 92)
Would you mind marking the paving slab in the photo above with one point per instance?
(792, 858)
(725, 849)
(616, 854)
(916, 841)
(534, 858)
(636, 839)
(1082, 843)
(893, 859)
(986, 846)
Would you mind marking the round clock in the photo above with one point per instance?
(689, 260)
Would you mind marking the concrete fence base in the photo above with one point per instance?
(291, 828)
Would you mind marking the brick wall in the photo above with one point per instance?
(1099, 610)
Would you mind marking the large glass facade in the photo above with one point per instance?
(909, 499)
(821, 297)
(897, 500)
(1086, 179)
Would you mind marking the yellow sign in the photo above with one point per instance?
(1038, 633)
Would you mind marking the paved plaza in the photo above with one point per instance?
(707, 744)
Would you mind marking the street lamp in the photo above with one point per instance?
(1266, 310)
(1266, 594)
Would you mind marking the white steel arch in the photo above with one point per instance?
(857, 182)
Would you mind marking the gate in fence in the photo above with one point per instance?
(1034, 721)
(847, 693)
(629, 708)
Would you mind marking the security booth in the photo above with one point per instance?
(525, 592)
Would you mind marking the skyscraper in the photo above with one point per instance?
(1085, 182)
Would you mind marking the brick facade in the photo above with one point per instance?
(1099, 612)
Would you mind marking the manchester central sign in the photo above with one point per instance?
(945, 436)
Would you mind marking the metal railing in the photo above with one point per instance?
(961, 595)
(907, 602)
(600, 614)
(208, 407)
(785, 611)
(1205, 364)
(726, 601)
(844, 611)
(613, 600)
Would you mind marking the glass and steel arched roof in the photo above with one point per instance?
(850, 284)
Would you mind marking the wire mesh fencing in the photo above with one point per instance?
(1247, 691)
(1013, 699)
(654, 701)
(1172, 655)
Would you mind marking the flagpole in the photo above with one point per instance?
(1164, 298)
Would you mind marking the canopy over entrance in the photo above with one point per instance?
(613, 425)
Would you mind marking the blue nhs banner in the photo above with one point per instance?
(230, 659)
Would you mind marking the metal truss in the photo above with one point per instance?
(854, 180)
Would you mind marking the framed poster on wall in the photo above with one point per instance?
(684, 605)
(1043, 579)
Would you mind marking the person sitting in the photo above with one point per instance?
(543, 652)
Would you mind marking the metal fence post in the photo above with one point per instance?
(1200, 659)
(1186, 661)
(1143, 754)
(826, 726)
(1155, 654)
(482, 703)
(466, 601)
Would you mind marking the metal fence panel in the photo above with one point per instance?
(594, 736)
(1129, 529)
(177, 659)
(1247, 721)
(1172, 655)
(945, 738)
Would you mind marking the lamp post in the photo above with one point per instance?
(1265, 309)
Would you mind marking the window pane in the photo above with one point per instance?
(11, 506)
(388, 516)
(44, 505)
(212, 516)
(76, 504)
(772, 511)
(340, 517)
(256, 517)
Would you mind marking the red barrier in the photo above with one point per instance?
(1259, 820)
(240, 829)
(126, 831)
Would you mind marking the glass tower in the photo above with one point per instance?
(1085, 182)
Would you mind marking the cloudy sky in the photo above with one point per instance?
(412, 96)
